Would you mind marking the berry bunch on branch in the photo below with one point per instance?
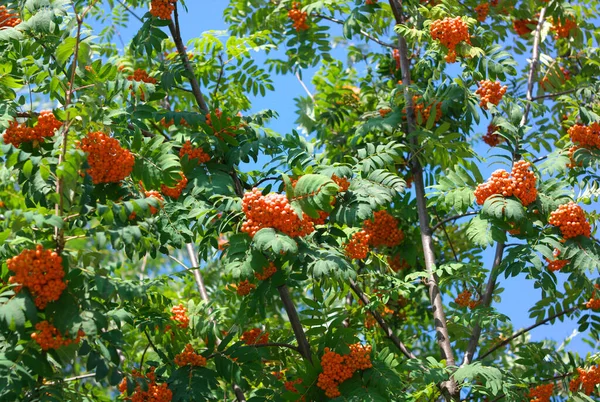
(382, 230)
(255, 336)
(586, 380)
(180, 316)
(48, 336)
(140, 75)
(41, 272)
(298, 17)
(46, 126)
(520, 183)
(541, 393)
(273, 211)
(450, 32)
(190, 358)
(193, 153)
(109, 162)
(585, 136)
(338, 368)
(490, 92)
(162, 8)
(175, 192)
(570, 219)
(244, 288)
(464, 299)
(8, 19)
(492, 138)
(524, 27)
(594, 302)
(556, 264)
(267, 272)
(151, 392)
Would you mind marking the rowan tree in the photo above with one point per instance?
(160, 241)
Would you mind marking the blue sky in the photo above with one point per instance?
(519, 295)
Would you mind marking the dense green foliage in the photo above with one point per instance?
(412, 149)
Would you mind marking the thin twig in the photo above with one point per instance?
(276, 345)
(304, 86)
(553, 95)
(261, 181)
(451, 218)
(363, 33)
(525, 330)
(389, 333)
(221, 71)
(290, 309)
(130, 10)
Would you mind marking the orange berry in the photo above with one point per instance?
(255, 337)
(298, 17)
(491, 137)
(267, 272)
(162, 8)
(244, 288)
(450, 32)
(48, 336)
(193, 153)
(8, 19)
(521, 183)
(482, 11)
(175, 192)
(541, 393)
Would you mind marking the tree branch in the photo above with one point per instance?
(277, 345)
(553, 95)
(304, 86)
(525, 330)
(186, 63)
(491, 284)
(386, 328)
(239, 394)
(451, 218)
(363, 33)
(449, 388)
(290, 308)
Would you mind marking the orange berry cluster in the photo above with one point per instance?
(384, 112)
(450, 32)
(490, 92)
(570, 219)
(244, 288)
(556, 264)
(397, 263)
(180, 315)
(189, 357)
(298, 16)
(586, 380)
(425, 112)
(524, 27)
(193, 153)
(48, 336)
(572, 163)
(162, 8)
(41, 272)
(358, 246)
(46, 125)
(585, 136)
(491, 137)
(267, 272)
(175, 192)
(8, 19)
(370, 2)
(464, 300)
(520, 183)
(562, 27)
(255, 337)
(594, 303)
(482, 11)
(338, 368)
(541, 393)
(291, 385)
(158, 196)
(273, 211)
(141, 76)
(109, 162)
(224, 130)
(342, 182)
(154, 392)
(381, 231)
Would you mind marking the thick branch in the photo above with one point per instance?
(449, 388)
(196, 271)
(290, 308)
(386, 328)
(491, 284)
(186, 63)
(426, 238)
(363, 33)
(525, 330)
(239, 394)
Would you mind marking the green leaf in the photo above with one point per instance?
(268, 239)
(313, 193)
